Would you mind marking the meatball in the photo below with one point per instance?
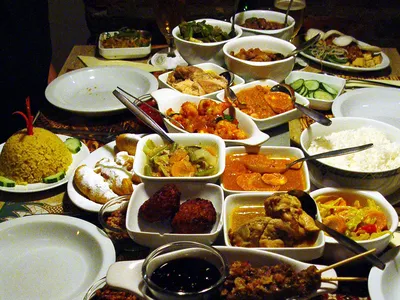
(194, 216)
(162, 205)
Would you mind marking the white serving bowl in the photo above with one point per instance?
(237, 80)
(185, 139)
(335, 251)
(250, 199)
(322, 174)
(335, 82)
(167, 98)
(252, 70)
(197, 53)
(274, 16)
(267, 123)
(153, 235)
(270, 151)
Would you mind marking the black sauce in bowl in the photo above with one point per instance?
(186, 275)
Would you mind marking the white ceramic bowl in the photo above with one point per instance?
(274, 16)
(270, 151)
(335, 251)
(206, 67)
(251, 70)
(167, 98)
(249, 199)
(122, 53)
(267, 123)
(335, 82)
(322, 174)
(197, 53)
(153, 235)
(185, 139)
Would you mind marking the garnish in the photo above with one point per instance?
(28, 116)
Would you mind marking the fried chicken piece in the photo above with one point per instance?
(248, 235)
(194, 216)
(162, 205)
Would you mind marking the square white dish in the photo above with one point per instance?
(267, 123)
(156, 234)
(206, 67)
(335, 82)
(303, 254)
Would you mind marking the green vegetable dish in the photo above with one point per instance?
(173, 160)
(314, 89)
(200, 32)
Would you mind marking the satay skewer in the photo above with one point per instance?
(345, 261)
(325, 279)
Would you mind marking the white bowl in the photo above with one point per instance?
(206, 67)
(270, 151)
(251, 70)
(385, 182)
(304, 253)
(335, 251)
(156, 234)
(274, 16)
(335, 82)
(197, 53)
(185, 139)
(167, 98)
(267, 123)
(122, 53)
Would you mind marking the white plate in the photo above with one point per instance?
(89, 90)
(384, 284)
(107, 151)
(128, 275)
(51, 257)
(380, 103)
(385, 63)
(38, 187)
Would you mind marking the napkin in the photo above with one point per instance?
(91, 61)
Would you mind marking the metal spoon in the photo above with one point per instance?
(315, 115)
(287, 13)
(140, 114)
(304, 46)
(310, 207)
(232, 33)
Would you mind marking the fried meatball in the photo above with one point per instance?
(162, 205)
(194, 216)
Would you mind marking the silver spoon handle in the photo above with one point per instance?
(331, 153)
(140, 114)
(313, 114)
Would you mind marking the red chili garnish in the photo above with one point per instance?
(369, 228)
(28, 116)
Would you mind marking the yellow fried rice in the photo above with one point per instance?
(30, 158)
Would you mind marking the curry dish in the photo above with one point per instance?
(257, 55)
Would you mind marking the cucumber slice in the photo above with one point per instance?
(73, 144)
(310, 94)
(323, 95)
(296, 85)
(54, 178)
(311, 85)
(6, 182)
(328, 88)
(304, 91)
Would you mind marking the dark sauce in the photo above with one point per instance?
(186, 275)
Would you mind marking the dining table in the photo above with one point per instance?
(98, 131)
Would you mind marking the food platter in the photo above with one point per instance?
(52, 257)
(38, 187)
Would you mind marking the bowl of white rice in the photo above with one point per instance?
(377, 168)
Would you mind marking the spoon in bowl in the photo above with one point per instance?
(304, 46)
(310, 207)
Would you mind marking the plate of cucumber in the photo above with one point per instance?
(320, 89)
(79, 153)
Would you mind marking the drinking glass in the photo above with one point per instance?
(296, 11)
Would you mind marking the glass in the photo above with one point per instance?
(296, 11)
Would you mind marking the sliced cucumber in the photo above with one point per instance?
(296, 85)
(304, 91)
(54, 178)
(73, 144)
(328, 88)
(310, 94)
(311, 85)
(6, 182)
(323, 95)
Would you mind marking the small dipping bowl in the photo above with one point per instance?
(178, 251)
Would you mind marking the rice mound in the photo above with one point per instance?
(30, 158)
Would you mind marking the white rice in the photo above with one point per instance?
(383, 156)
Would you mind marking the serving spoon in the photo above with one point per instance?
(310, 207)
(304, 46)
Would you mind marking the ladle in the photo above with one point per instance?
(310, 207)
(304, 46)
(315, 115)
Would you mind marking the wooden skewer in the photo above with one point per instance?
(345, 261)
(344, 279)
